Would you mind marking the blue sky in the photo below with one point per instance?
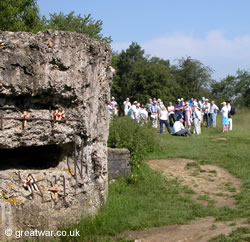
(215, 32)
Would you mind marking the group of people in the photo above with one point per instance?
(180, 116)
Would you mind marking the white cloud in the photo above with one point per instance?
(222, 54)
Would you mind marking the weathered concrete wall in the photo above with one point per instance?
(118, 163)
(45, 75)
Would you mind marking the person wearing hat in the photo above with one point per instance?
(113, 102)
(178, 107)
(224, 113)
(196, 118)
(206, 108)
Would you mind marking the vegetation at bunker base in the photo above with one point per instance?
(138, 139)
(156, 200)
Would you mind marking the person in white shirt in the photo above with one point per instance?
(137, 110)
(113, 102)
(132, 110)
(212, 114)
(230, 120)
(127, 106)
(110, 109)
(143, 115)
(171, 115)
(224, 113)
(197, 119)
(179, 130)
(201, 103)
(154, 115)
(163, 116)
(206, 108)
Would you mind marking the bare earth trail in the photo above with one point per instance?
(208, 182)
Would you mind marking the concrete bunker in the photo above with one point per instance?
(54, 124)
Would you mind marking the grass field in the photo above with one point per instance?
(155, 200)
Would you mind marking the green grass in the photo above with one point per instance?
(232, 154)
(240, 234)
(155, 200)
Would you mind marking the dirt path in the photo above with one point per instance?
(209, 183)
(200, 230)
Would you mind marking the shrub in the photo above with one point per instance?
(137, 138)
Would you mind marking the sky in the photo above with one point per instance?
(215, 32)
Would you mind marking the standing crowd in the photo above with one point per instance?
(180, 117)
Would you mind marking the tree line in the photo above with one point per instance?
(24, 15)
(138, 75)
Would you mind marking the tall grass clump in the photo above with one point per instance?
(139, 139)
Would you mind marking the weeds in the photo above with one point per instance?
(139, 140)
(240, 234)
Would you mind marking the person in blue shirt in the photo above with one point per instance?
(191, 102)
(154, 114)
(178, 110)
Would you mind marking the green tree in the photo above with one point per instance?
(124, 64)
(225, 89)
(75, 23)
(24, 15)
(19, 15)
(193, 77)
(234, 87)
(242, 87)
(152, 78)
(141, 77)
